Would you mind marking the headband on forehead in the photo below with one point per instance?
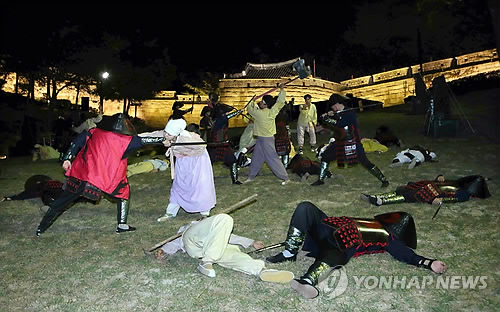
(175, 126)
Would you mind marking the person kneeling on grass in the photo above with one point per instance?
(332, 241)
(434, 192)
(211, 241)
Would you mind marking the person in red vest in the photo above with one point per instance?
(96, 164)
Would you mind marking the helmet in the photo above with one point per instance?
(401, 225)
(118, 123)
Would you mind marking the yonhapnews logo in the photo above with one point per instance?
(337, 282)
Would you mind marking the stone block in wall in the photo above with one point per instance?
(482, 56)
(392, 74)
(390, 93)
(356, 82)
(439, 65)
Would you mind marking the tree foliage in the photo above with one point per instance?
(62, 54)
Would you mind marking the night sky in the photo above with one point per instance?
(203, 38)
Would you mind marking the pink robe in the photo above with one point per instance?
(193, 188)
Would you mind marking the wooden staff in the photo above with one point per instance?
(227, 211)
(172, 165)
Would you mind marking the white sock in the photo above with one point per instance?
(308, 280)
(172, 209)
(123, 226)
(287, 254)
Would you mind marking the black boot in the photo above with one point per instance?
(294, 240)
(375, 171)
(383, 199)
(285, 159)
(122, 215)
(234, 173)
(323, 173)
(243, 160)
(306, 285)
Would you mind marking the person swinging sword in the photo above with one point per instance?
(346, 146)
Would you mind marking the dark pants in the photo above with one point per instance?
(321, 244)
(63, 202)
(330, 154)
(265, 151)
(58, 207)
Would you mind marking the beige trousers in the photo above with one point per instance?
(208, 240)
(140, 167)
(310, 129)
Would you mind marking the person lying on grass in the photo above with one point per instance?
(333, 241)
(413, 156)
(211, 241)
(434, 192)
(38, 186)
(305, 167)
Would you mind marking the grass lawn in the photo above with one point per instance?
(80, 264)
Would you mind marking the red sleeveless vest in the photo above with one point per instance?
(100, 162)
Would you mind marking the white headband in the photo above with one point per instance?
(175, 126)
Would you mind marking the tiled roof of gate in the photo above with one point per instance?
(270, 71)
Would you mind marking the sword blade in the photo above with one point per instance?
(266, 248)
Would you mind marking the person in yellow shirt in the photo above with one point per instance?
(307, 121)
(264, 114)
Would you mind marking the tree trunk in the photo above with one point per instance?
(125, 106)
(77, 94)
(48, 89)
(16, 87)
(31, 87)
(54, 90)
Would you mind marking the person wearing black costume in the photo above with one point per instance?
(223, 151)
(304, 167)
(39, 186)
(434, 192)
(333, 241)
(346, 147)
(282, 140)
(206, 122)
(177, 112)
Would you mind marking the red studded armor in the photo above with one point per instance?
(350, 232)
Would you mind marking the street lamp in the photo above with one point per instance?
(104, 76)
